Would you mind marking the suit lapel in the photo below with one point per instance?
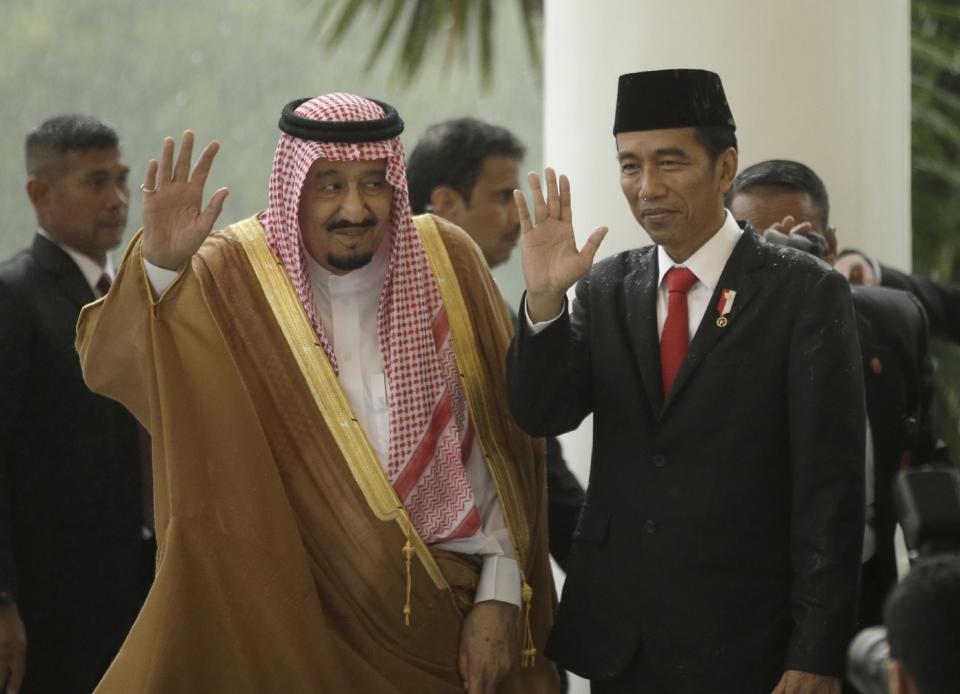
(55, 261)
(745, 258)
(640, 301)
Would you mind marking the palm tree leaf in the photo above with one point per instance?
(459, 22)
(420, 30)
(326, 9)
(941, 95)
(938, 168)
(386, 31)
(351, 10)
(936, 9)
(928, 50)
(941, 124)
(425, 26)
(531, 32)
(486, 40)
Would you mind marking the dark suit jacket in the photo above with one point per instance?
(720, 543)
(941, 301)
(70, 495)
(898, 382)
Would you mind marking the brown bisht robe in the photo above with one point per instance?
(281, 563)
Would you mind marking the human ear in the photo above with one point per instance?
(447, 202)
(38, 190)
(727, 167)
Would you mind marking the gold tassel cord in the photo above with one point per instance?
(408, 552)
(529, 651)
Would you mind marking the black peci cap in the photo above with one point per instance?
(660, 99)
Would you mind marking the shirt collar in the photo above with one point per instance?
(370, 276)
(708, 261)
(90, 268)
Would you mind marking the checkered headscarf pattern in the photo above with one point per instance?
(429, 425)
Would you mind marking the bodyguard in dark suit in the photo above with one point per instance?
(789, 197)
(941, 301)
(72, 568)
(719, 548)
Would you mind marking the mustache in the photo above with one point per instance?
(344, 224)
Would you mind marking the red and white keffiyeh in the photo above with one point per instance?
(431, 436)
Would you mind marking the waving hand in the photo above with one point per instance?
(174, 225)
(551, 261)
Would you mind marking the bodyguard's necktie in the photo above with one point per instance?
(103, 284)
(676, 332)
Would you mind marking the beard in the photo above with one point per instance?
(349, 262)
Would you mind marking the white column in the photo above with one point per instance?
(825, 82)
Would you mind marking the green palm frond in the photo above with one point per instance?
(419, 25)
(936, 52)
(941, 96)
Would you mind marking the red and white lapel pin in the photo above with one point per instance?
(725, 306)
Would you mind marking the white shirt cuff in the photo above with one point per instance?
(160, 277)
(536, 328)
(499, 580)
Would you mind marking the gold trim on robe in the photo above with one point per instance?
(327, 393)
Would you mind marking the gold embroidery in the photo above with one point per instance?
(479, 399)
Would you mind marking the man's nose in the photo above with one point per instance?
(652, 186)
(353, 206)
(119, 195)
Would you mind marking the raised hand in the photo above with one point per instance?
(857, 269)
(789, 225)
(550, 259)
(174, 226)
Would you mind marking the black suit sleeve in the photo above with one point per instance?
(565, 497)
(827, 441)
(921, 440)
(548, 374)
(14, 357)
(941, 301)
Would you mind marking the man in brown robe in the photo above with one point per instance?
(343, 502)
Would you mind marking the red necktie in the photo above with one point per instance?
(676, 332)
(103, 284)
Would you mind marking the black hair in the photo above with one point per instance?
(783, 173)
(61, 134)
(451, 153)
(922, 617)
(716, 139)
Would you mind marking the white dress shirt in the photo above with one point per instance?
(707, 264)
(91, 269)
(347, 306)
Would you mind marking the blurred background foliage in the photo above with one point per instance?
(225, 69)
(936, 179)
(457, 24)
(936, 138)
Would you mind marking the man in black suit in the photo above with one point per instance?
(72, 566)
(789, 197)
(466, 170)
(719, 548)
(941, 301)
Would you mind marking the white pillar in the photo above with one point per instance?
(825, 82)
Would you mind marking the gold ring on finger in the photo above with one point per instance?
(143, 187)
